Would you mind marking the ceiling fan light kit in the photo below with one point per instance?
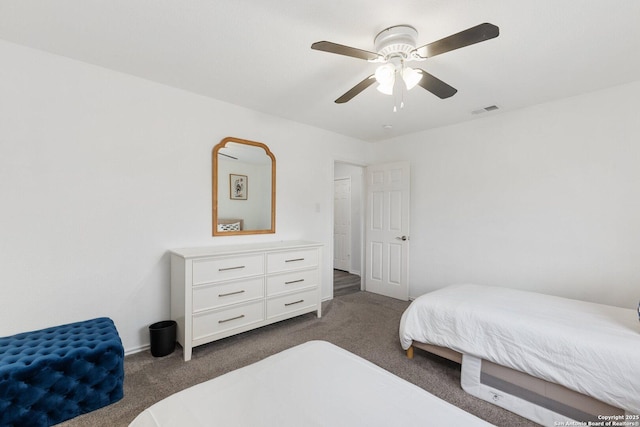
(397, 45)
(411, 77)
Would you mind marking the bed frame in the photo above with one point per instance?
(539, 392)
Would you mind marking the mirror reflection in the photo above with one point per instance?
(243, 188)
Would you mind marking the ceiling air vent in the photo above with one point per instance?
(485, 109)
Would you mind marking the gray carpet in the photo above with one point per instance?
(363, 323)
(345, 283)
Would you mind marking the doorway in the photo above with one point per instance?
(348, 227)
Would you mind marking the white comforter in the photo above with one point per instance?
(313, 384)
(590, 348)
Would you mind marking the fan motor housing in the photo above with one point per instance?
(399, 40)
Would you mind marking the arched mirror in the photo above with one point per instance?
(244, 188)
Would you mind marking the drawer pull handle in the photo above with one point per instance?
(233, 318)
(231, 293)
(294, 260)
(294, 281)
(231, 268)
(292, 303)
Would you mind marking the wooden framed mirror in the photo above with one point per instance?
(244, 188)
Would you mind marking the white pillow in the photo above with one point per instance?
(229, 227)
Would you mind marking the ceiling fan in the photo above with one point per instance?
(397, 45)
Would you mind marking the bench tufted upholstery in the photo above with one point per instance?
(54, 374)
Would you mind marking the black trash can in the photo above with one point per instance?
(163, 338)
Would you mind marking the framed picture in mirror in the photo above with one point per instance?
(238, 186)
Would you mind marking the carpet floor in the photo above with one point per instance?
(345, 283)
(363, 323)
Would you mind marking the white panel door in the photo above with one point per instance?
(387, 230)
(342, 224)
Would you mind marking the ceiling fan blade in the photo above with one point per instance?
(344, 50)
(470, 36)
(435, 85)
(356, 89)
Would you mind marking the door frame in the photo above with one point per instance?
(349, 213)
(363, 195)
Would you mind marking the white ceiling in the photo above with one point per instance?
(256, 53)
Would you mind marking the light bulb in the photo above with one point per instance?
(387, 89)
(386, 74)
(411, 77)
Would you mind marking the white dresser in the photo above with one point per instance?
(221, 291)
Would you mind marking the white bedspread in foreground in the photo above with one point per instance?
(590, 348)
(313, 384)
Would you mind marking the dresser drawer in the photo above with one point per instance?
(291, 260)
(206, 297)
(287, 282)
(216, 322)
(291, 303)
(207, 270)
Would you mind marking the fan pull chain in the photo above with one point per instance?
(395, 92)
(395, 104)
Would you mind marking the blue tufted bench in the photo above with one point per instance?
(54, 374)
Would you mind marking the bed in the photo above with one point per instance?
(312, 384)
(550, 359)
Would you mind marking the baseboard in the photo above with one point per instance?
(135, 350)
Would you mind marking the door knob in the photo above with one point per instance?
(403, 238)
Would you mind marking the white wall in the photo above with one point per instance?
(101, 173)
(545, 198)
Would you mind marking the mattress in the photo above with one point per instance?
(313, 384)
(589, 348)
